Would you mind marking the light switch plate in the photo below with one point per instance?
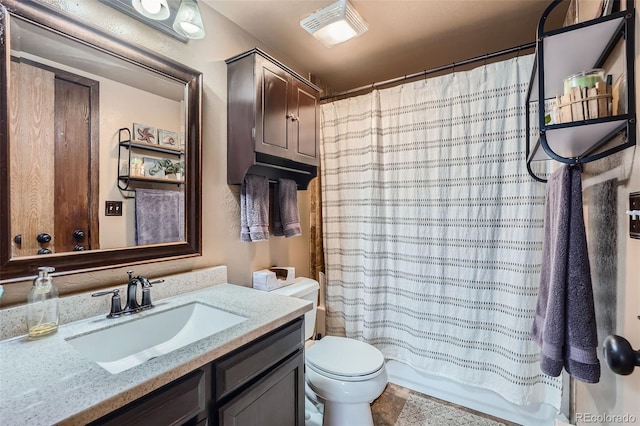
(113, 208)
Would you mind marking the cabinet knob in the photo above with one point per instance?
(18, 239)
(78, 234)
(44, 251)
(78, 247)
(43, 238)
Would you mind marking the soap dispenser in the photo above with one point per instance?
(42, 305)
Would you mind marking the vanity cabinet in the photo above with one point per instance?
(273, 120)
(262, 381)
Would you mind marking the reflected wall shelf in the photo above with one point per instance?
(566, 51)
(124, 141)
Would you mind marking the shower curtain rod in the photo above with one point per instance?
(432, 70)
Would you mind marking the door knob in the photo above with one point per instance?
(18, 239)
(44, 251)
(620, 356)
(43, 238)
(78, 234)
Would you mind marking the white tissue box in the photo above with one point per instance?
(285, 274)
(266, 280)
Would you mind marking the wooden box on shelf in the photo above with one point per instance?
(584, 103)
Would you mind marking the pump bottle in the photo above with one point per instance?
(42, 305)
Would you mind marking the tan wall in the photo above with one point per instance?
(220, 211)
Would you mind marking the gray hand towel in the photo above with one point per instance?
(565, 324)
(286, 219)
(254, 209)
(159, 216)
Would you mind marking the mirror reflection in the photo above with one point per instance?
(67, 103)
(100, 144)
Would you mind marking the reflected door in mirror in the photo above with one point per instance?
(52, 191)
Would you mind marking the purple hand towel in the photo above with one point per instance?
(565, 323)
(254, 208)
(286, 219)
(159, 216)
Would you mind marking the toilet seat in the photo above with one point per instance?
(344, 359)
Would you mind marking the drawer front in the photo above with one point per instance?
(174, 404)
(258, 356)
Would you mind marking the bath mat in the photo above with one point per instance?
(419, 411)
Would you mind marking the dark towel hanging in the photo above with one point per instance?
(565, 323)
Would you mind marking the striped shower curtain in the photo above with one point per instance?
(433, 228)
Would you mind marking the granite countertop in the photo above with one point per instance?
(47, 381)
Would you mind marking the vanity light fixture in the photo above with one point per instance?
(153, 9)
(335, 23)
(188, 20)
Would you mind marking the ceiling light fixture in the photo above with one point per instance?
(188, 21)
(335, 23)
(153, 9)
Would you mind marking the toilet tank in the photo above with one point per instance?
(307, 289)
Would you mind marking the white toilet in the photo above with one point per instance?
(346, 374)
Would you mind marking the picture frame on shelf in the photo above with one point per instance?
(153, 168)
(144, 133)
(168, 138)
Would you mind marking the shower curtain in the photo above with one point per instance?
(433, 228)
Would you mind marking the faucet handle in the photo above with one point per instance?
(146, 291)
(116, 305)
(146, 284)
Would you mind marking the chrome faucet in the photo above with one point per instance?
(132, 305)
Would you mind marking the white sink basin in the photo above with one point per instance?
(132, 343)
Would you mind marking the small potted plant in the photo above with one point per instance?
(179, 169)
(168, 166)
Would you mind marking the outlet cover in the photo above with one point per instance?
(113, 208)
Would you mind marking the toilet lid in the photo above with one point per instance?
(344, 357)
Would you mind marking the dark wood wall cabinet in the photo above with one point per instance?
(262, 381)
(273, 124)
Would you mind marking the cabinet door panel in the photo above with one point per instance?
(274, 113)
(306, 126)
(275, 400)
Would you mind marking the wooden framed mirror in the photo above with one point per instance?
(68, 93)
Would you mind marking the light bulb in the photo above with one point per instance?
(188, 27)
(152, 6)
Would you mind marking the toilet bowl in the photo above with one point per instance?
(348, 375)
(345, 374)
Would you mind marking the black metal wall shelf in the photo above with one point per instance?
(566, 51)
(124, 141)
